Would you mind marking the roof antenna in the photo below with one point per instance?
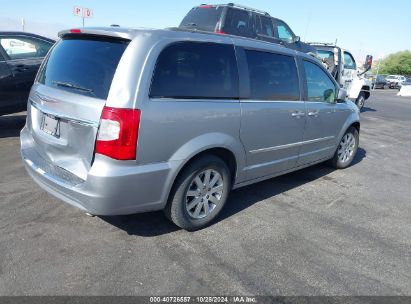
(336, 39)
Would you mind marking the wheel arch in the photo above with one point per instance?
(356, 125)
(367, 91)
(223, 153)
(224, 146)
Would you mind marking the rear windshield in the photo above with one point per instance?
(203, 18)
(83, 65)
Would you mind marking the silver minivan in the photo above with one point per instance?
(121, 121)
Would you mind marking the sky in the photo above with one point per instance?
(362, 26)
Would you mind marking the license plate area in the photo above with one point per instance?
(50, 125)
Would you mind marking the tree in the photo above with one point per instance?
(398, 63)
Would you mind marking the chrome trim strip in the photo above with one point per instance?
(62, 116)
(271, 101)
(297, 144)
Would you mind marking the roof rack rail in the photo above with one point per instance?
(248, 8)
(322, 43)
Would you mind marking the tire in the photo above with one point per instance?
(360, 101)
(193, 206)
(345, 152)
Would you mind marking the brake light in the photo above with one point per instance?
(206, 6)
(118, 133)
(75, 31)
(220, 32)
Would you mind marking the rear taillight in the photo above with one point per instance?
(118, 133)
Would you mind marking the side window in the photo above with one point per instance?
(265, 26)
(283, 31)
(238, 22)
(272, 76)
(349, 62)
(196, 70)
(22, 47)
(319, 85)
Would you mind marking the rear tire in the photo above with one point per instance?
(346, 150)
(199, 193)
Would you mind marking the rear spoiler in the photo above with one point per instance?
(107, 32)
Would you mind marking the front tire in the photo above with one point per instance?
(199, 193)
(346, 150)
(360, 100)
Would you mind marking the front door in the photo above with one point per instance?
(8, 90)
(324, 116)
(24, 56)
(349, 72)
(273, 116)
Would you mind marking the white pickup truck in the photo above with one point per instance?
(395, 81)
(342, 66)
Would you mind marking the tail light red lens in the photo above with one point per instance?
(220, 32)
(118, 133)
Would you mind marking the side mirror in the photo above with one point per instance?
(342, 95)
(329, 95)
(368, 63)
(297, 39)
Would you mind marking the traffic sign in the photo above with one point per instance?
(83, 12)
(78, 11)
(87, 13)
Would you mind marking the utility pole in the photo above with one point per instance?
(22, 23)
(378, 69)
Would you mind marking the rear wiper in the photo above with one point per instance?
(72, 86)
(191, 24)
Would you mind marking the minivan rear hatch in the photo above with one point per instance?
(68, 98)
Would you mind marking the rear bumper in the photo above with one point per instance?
(111, 187)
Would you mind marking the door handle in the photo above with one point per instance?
(21, 68)
(297, 114)
(313, 113)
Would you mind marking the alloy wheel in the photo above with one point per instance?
(346, 148)
(204, 193)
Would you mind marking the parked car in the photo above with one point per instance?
(405, 88)
(407, 82)
(380, 82)
(20, 57)
(243, 21)
(394, 81)
(123, 120)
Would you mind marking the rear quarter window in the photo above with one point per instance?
(239, 22)
(83, 65)
(204, 17)
(196, 70)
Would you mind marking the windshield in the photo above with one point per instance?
(203, 18)
(283, 31)
(83, 65)
(326, 54)
(392, 77)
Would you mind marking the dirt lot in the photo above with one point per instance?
(312, 232)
